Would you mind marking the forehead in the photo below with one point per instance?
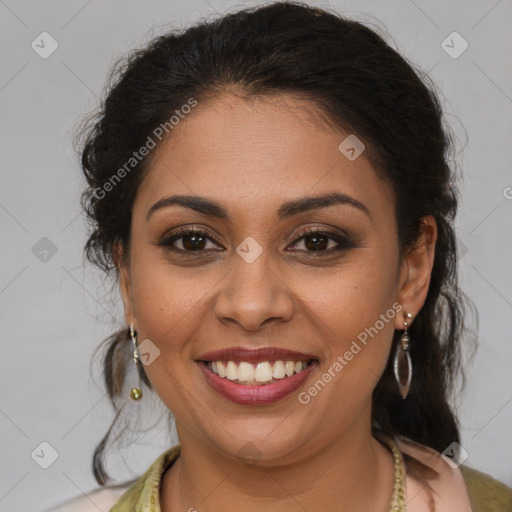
(258, 151)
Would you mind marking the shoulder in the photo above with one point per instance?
(134, 495)
(144, 493)
(453, 487)
(486, 492)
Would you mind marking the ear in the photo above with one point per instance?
(416, 270)
(123, 270)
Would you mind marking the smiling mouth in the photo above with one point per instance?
(257, 374)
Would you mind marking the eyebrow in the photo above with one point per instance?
(286, 210)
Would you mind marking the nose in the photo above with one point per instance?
(254, 295)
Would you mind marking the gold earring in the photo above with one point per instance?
(135, 393)
(402, 361)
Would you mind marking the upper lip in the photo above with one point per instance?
(255, 355)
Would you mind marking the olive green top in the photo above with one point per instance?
(486, 493)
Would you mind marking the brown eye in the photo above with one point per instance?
(316, 242)
(191, 240)
(194, 242)
(323, 241)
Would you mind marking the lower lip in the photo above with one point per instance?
(256, 395)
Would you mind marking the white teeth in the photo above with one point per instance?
(231, 371)
(246, 372)
(278, 370)
(263, 372)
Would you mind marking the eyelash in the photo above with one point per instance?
(344, 242)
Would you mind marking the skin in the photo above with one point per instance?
(250, 157)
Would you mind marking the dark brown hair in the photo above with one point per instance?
(363, 86)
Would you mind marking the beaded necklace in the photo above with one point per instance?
(398, 497)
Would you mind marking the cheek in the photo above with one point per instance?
(166, 300)
(353, 310)
(352, 296)
(165, 308)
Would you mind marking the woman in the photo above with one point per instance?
(272, 190)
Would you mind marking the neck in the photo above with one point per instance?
(353, 473)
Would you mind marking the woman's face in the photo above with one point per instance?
(249, 281)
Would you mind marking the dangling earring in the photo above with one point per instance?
(402, 361)
(135, 393)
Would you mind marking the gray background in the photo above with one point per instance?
(55, 312)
